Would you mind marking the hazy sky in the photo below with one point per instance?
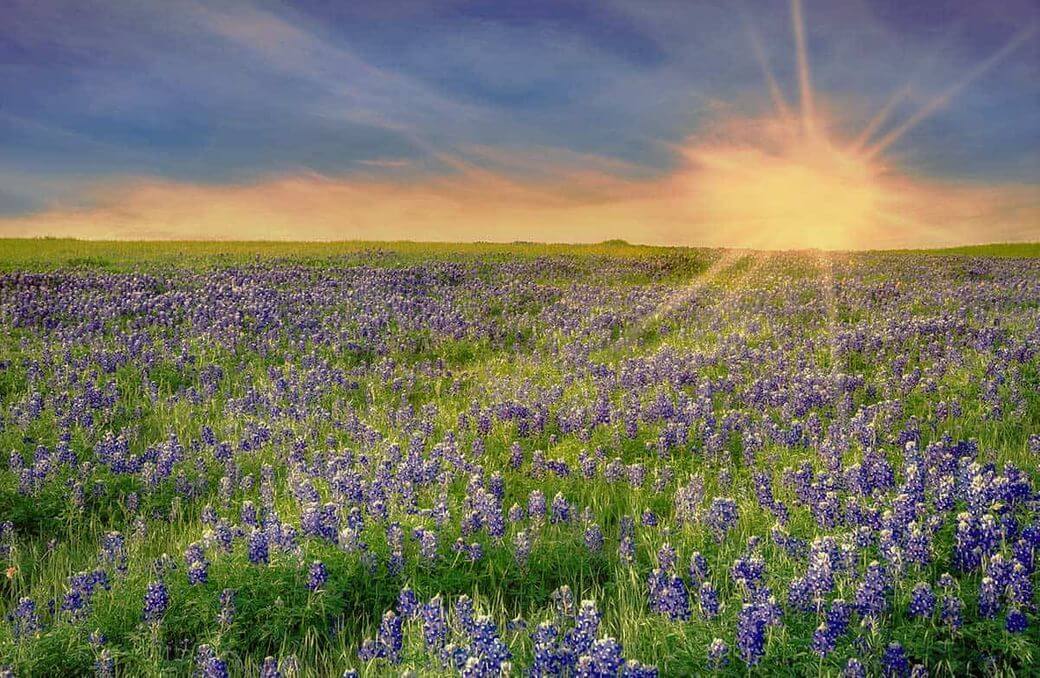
(676, 122)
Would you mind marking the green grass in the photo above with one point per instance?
(55, 253)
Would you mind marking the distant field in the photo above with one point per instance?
(52, 253)
(56, 253)
(991, 250)
(325, 459)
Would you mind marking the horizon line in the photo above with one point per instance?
(615, 242)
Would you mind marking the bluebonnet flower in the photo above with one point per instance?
(390, 636)
(516, 456)
(698, 568)
(1016, 621)
(536, 506)
(820, 576)
(894, 661)
(96, 639)
(156, 600)
(395, 540)
(586, 624)
(487, 647)
(824, 639)
(248, 514)
(666, 557)
(922, 600)
(82, 587)
(561, 509)
(208, 664)
(516, 513)
(976, 537)
(387, 643)
(751, 634)
(838, 616)
(257, 551)
(113, 551)
(194, 553)
(465, 613)
(198, 572)
(24, 619)
(989, 597)
(547, 659)
(323, 521)
(871, 594)
(434, 623)
(748, 572)
(104, 665)
(1020, 585)
(951, 611)
(522, 544)
(718, 654)
(223, 535)
(563, 601)
(317, 576)
(269, 669)
(999, 569)
(626, 540)
(227, 607)
(709, 600)
(427, 544)
(669, 595)
(649, 518)
(407, 603)
(604, 658)
(854, 669)
(594, 538)
(918, 546)
(799, 594)
(634, 669)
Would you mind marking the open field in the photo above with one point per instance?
(51, 253)
(382, 457)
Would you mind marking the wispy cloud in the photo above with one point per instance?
(727, 191)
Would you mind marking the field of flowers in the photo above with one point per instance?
(517, 460)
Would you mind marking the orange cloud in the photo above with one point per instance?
(747, 183)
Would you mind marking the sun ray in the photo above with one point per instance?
(775, 94)
(728, 258)
(881, 116)
(903, 92)
(802, 55)
(825, 265)
(950, 92)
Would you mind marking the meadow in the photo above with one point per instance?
(326, 459)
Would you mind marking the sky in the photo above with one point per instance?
(752, 123)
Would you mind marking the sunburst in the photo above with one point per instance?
(794, 182)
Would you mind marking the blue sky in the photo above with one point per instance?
(228, 92)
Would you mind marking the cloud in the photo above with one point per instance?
(745, 182)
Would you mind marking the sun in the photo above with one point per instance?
(783, 189)
(786, 181)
